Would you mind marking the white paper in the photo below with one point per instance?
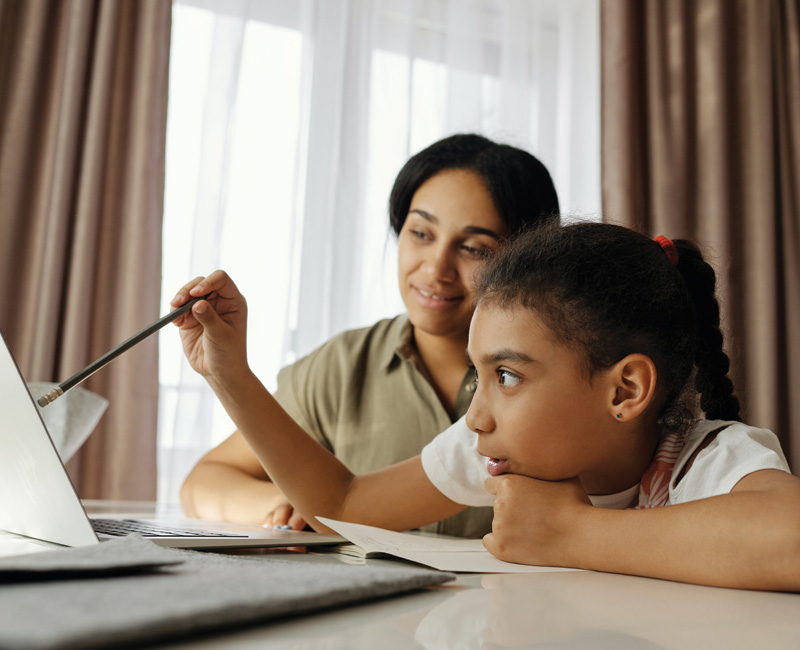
(443, 553)
(70, 418)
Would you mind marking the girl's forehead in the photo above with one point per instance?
(496, 325)
(513, 316)
(518, 336)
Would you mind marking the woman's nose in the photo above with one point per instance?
(441, 264)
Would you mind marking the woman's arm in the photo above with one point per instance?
(229, 484)
(213, 335)
(749, 538)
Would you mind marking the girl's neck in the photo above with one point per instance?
(629, 457)
(444, 362)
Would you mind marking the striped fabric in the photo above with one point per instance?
(654, 488)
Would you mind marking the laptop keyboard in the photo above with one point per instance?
(122, 527)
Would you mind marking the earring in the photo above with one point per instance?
(619, 416)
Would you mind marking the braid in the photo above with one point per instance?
(711, 380)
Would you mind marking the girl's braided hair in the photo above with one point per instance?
(607, 292)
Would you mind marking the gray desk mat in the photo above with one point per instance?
(177, 593)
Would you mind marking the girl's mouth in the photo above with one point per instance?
(497, 466)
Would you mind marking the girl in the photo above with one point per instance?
(452, 205)
(591, 344)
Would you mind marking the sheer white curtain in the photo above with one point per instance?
(288, 121)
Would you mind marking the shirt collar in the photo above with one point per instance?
(404, 349)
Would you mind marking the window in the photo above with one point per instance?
(288, 121)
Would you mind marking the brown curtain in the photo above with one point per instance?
(83, 97)
(701, 140)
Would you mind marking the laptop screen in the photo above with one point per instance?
(37, 498)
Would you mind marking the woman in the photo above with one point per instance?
(376, 396)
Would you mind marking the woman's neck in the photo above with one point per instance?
(444, 362)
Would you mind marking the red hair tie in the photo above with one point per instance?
(669, 249)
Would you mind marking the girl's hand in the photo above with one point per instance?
(533, 519)
(214, 333)
(284, 515)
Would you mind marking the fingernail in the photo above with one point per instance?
(200, 307)
(178, 298)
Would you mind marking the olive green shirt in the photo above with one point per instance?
(363, 396)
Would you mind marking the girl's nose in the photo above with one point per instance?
(478, 416)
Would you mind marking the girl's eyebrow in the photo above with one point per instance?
(469, 230)
(504, 354)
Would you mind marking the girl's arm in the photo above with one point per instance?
(213, 336)
(749, 538)
(399, 497)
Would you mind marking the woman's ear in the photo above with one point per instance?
(633, 382)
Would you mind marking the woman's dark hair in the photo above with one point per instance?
(607, 292)
(519, 184)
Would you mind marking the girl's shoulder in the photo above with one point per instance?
(725, 434)
(717, 454)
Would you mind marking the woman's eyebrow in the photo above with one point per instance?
(469, 230)
(425, 215)
(475, 230)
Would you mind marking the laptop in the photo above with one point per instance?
(38, 500)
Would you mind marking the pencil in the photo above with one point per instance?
(93, 367)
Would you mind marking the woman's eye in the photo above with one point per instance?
(507, 378)
(418, 234)
(482, 252)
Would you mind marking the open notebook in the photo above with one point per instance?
(38, 500)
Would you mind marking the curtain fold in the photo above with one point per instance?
(83, 105)
(701, 139)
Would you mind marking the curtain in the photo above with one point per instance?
(701, 140)
(82, 137)
(288, 190)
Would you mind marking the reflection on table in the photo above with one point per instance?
(564, 611)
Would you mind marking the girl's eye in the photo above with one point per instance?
(507, 378)
(418, 234)
(474, 372)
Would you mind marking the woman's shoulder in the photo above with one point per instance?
(387, 331)
(354, 347)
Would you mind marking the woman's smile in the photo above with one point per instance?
(433, 299)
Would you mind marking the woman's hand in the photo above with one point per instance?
(284, 515)
(533, 519)
(214, 332)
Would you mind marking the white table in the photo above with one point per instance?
(569, 610)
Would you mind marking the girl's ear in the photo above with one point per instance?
(633, 380)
